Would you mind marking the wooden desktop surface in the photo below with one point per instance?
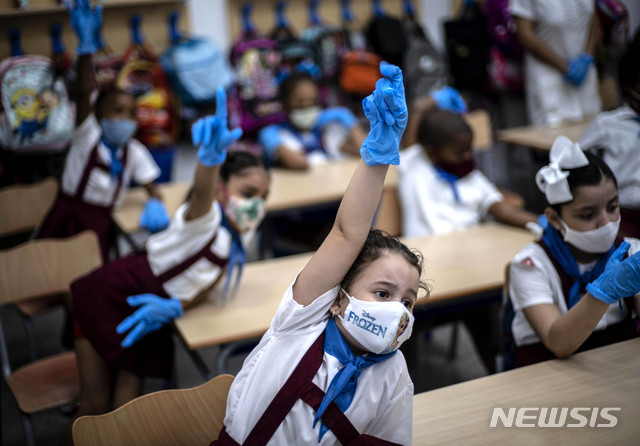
(289, 189)
(541, 137)
(606, 377)
(457, 264)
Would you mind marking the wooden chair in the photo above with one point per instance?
(169, 417)
(23, 208)
(37, 269)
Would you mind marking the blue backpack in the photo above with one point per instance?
(195, 67)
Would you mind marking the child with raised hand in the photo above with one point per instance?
(328, 370)
(123, 310)
(310, 135)
(104, 157)
(574, 290)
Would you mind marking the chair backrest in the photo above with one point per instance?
(480, 122)
(25, 206)
(169, 417)
(47, 266)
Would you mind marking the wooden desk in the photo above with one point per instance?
(605, 377)
(289, 189)
(457, 264)
(541, 137)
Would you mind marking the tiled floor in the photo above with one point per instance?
(436, 370)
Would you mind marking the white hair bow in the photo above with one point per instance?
(551, 179)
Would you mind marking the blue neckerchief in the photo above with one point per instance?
(237, 258)
(560, 251)
(451, 179)
(343, 386)
(316, 145)
(115, 167)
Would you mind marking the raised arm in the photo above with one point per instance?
(85, 22)
(213, 137)
(387, 112)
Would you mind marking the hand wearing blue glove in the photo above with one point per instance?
(341, 115)
(212, 134)
(154, 312)
(269, 138)
(386, 110)
(448, 98)
(154, 217)
(578, 69)
(620, 279)
(86, 22)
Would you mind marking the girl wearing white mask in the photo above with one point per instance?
(328, 370)
(123, 310)
(576, 288)
(310, 135)
(104, 156)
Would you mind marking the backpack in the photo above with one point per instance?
(254, 102)
(327, 44)
(613, 18)
(386, 36)
(467, 44)
(422, 66)
(195, 66)
(360, 71)
(505, 54)
(143, 77)
(35, 112)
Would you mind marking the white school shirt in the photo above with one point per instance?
(180, 241)
(333, 137)
(100, 189)
(618, 133)
(428, 204)
(563, 25)
(382, 405)
(533, 281)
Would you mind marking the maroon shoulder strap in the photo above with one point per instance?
(204, 252)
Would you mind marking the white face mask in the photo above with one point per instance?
(596, 241)
(245, 213)
(380, 327)
(304, 118)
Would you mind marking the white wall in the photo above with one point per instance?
(433, 14)
(634, 14)
(210, 18)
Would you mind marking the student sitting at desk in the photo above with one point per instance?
(310, 135)
(123, 309)
(572, 290)
(104, 157)
(616, 135)
(440, 189)
(328, 370)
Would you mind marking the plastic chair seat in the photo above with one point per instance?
(46, 384)
(36, 306)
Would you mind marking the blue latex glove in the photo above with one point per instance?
(578, 69)
(386, 110)
(154, 312)
(212, 134)
(621, 278)
(448, 98)
(154, 217)
(341, 115)
(270, 140)
(86, 22)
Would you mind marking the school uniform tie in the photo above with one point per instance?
(343, 386)
(451, 179)
(237, 258)
(562, 254)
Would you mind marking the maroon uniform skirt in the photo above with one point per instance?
(69, 216)
(100, 304)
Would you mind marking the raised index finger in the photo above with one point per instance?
(221, 106)
(394, 74)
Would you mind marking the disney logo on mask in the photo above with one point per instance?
(366, 324)
(365, 314)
